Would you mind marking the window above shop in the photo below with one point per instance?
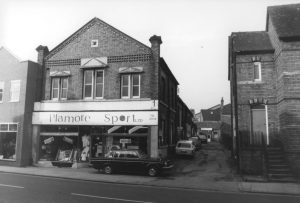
(93, 87)
(59, 90)
(130, 86)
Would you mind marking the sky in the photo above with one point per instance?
(194, 33)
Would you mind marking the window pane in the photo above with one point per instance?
(256, 71)
(99, 77)
(64, 83)
(4, 127)
(136, 79)
(13, 127)
(55, 82)
(64, 93)
(88, 77)
(88, 91)
(124, 91)
(15, 90)
(0, 96)
(54, 93)
(8, 145)
(125, 80)
(135, 91)
(99, 90)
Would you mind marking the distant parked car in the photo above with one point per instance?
(185, 147)
(203, 138)
(196, 141)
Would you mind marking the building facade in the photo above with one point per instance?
(104, 90)
(264, 77)
(20, 87)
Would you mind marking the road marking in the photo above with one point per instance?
(14, 186)
(111, 198)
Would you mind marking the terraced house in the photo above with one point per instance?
(103, 90)
(264, 72)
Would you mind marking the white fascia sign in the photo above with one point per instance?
(96, 118)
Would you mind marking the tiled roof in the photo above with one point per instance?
(286, 20)
(226, 109)
(251, 41)
(211, 115)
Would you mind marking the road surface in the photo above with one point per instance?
(27, 188)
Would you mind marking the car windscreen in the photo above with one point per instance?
(184, 145)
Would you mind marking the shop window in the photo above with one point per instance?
(257, 71)
(59, 88)
(1, 91)
(8, 136)
(15, 86)
(130, 86)
(93, 84)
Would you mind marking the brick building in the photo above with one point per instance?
(265, 94)
(20, 87)
(214, 121)
(104, 90)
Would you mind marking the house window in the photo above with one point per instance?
(15, 86)
(1, 91)
(257, 71)
(93, 84)
(8, 135)
(94, 43)
(130, 86)
(59, 88)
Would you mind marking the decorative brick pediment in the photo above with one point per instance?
(256, 101)
(130, 69)
(59, 73)
(94, 62)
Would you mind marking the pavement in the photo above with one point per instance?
(210, 170)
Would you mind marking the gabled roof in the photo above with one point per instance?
(84, 28)
(286, 20)
(226, 109)
(211, 115)
(4, 53)
(248, 42)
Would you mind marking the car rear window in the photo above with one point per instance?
(184, 145)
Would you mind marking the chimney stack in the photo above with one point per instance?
(155, 46)
(42, 53)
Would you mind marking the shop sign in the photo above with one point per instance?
(49, 140)
(96, 118)
(125, 141)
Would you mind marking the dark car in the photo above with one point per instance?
(131, 161)
(196, 141)
(203, 138)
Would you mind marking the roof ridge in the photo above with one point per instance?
(82, 29)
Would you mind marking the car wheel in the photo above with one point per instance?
(152, 171)
(107, 169)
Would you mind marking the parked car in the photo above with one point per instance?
(185, 147)
(131, 161)
(203, 138)
(196, 141)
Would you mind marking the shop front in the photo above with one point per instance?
(72, 138)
